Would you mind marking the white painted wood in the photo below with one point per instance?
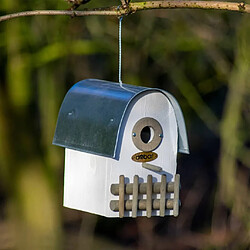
(88, 177)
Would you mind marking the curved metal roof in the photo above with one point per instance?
(92, 113)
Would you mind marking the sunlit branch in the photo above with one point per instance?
(138, 6)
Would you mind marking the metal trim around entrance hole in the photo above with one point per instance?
(154, 142)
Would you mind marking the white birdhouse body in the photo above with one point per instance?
(147, 140)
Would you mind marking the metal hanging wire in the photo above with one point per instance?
(120, 57)
(120, 50)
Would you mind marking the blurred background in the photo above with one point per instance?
(201, 57)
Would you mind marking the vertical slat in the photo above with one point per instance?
(149, 196)
(163, 195)
(121, 195)
(135, 196)
(176, 195)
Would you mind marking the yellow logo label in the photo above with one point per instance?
(144, 156)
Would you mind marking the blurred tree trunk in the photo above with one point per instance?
(31, 207)
(233, 188)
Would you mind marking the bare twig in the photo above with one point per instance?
(124, 3)
(138, 6)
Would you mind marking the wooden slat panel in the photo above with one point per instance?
(163, 195)
(176, 195)
(142, 204)
(142, 188)
(135, 196)
(149, 196)
(121, 195)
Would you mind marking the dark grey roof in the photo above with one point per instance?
(92, 114)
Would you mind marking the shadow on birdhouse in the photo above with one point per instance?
(121, 144)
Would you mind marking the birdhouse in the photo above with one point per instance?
(121, 144)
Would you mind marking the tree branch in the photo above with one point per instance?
(138, 6)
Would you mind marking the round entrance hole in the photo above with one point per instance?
(147, 134)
